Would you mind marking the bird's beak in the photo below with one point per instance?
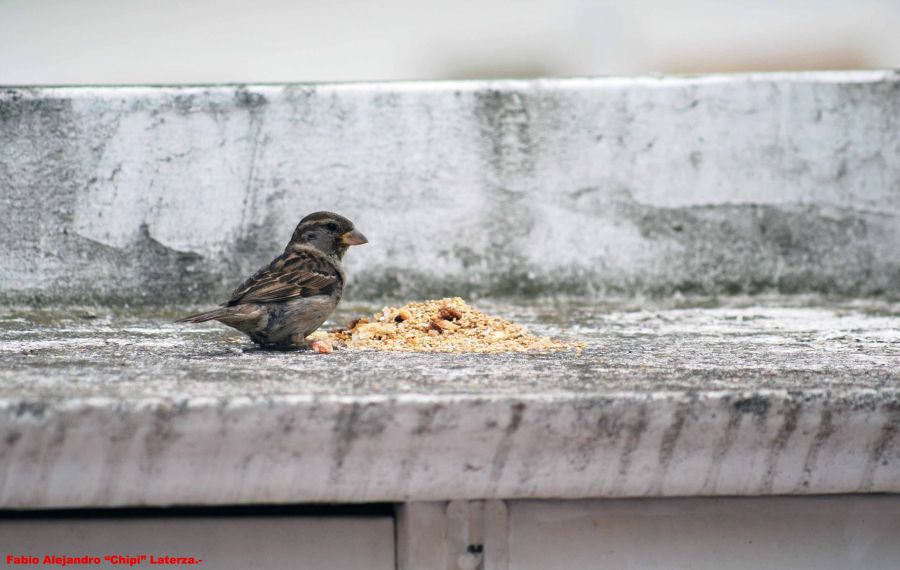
(353, 238)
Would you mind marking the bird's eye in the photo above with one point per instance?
(332, 227)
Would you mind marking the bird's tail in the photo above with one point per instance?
(213, 315)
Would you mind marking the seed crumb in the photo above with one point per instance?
(449, 313)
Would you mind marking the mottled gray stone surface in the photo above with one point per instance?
(744, 183)
(794, 397)
(551, 189)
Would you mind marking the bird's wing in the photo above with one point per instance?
(291, 275)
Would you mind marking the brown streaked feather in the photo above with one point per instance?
(295, 273)
(215, 314)
(240, 317)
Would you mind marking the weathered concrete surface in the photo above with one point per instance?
(744, 183)
(100, 409)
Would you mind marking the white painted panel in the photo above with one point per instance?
(823, 533)
(272, 542)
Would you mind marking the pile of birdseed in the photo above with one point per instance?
(444, 325)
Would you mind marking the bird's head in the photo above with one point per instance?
(328, 232)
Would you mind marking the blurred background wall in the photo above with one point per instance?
(202, 41)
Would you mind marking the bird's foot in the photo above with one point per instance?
(322, 346)
(317, 345)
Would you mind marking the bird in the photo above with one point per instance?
(286, 300)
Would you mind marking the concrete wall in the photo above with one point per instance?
(746, 183)
(821, 533)
(824, 533)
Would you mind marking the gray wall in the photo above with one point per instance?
(716, 184)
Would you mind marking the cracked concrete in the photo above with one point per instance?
(791, 396)
(707, 185)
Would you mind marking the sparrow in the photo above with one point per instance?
(285, 301)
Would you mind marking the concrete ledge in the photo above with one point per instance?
(100, 452)
(726, 401)
(160, 195)
(744, 183)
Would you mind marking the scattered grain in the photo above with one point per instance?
(443, 325)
